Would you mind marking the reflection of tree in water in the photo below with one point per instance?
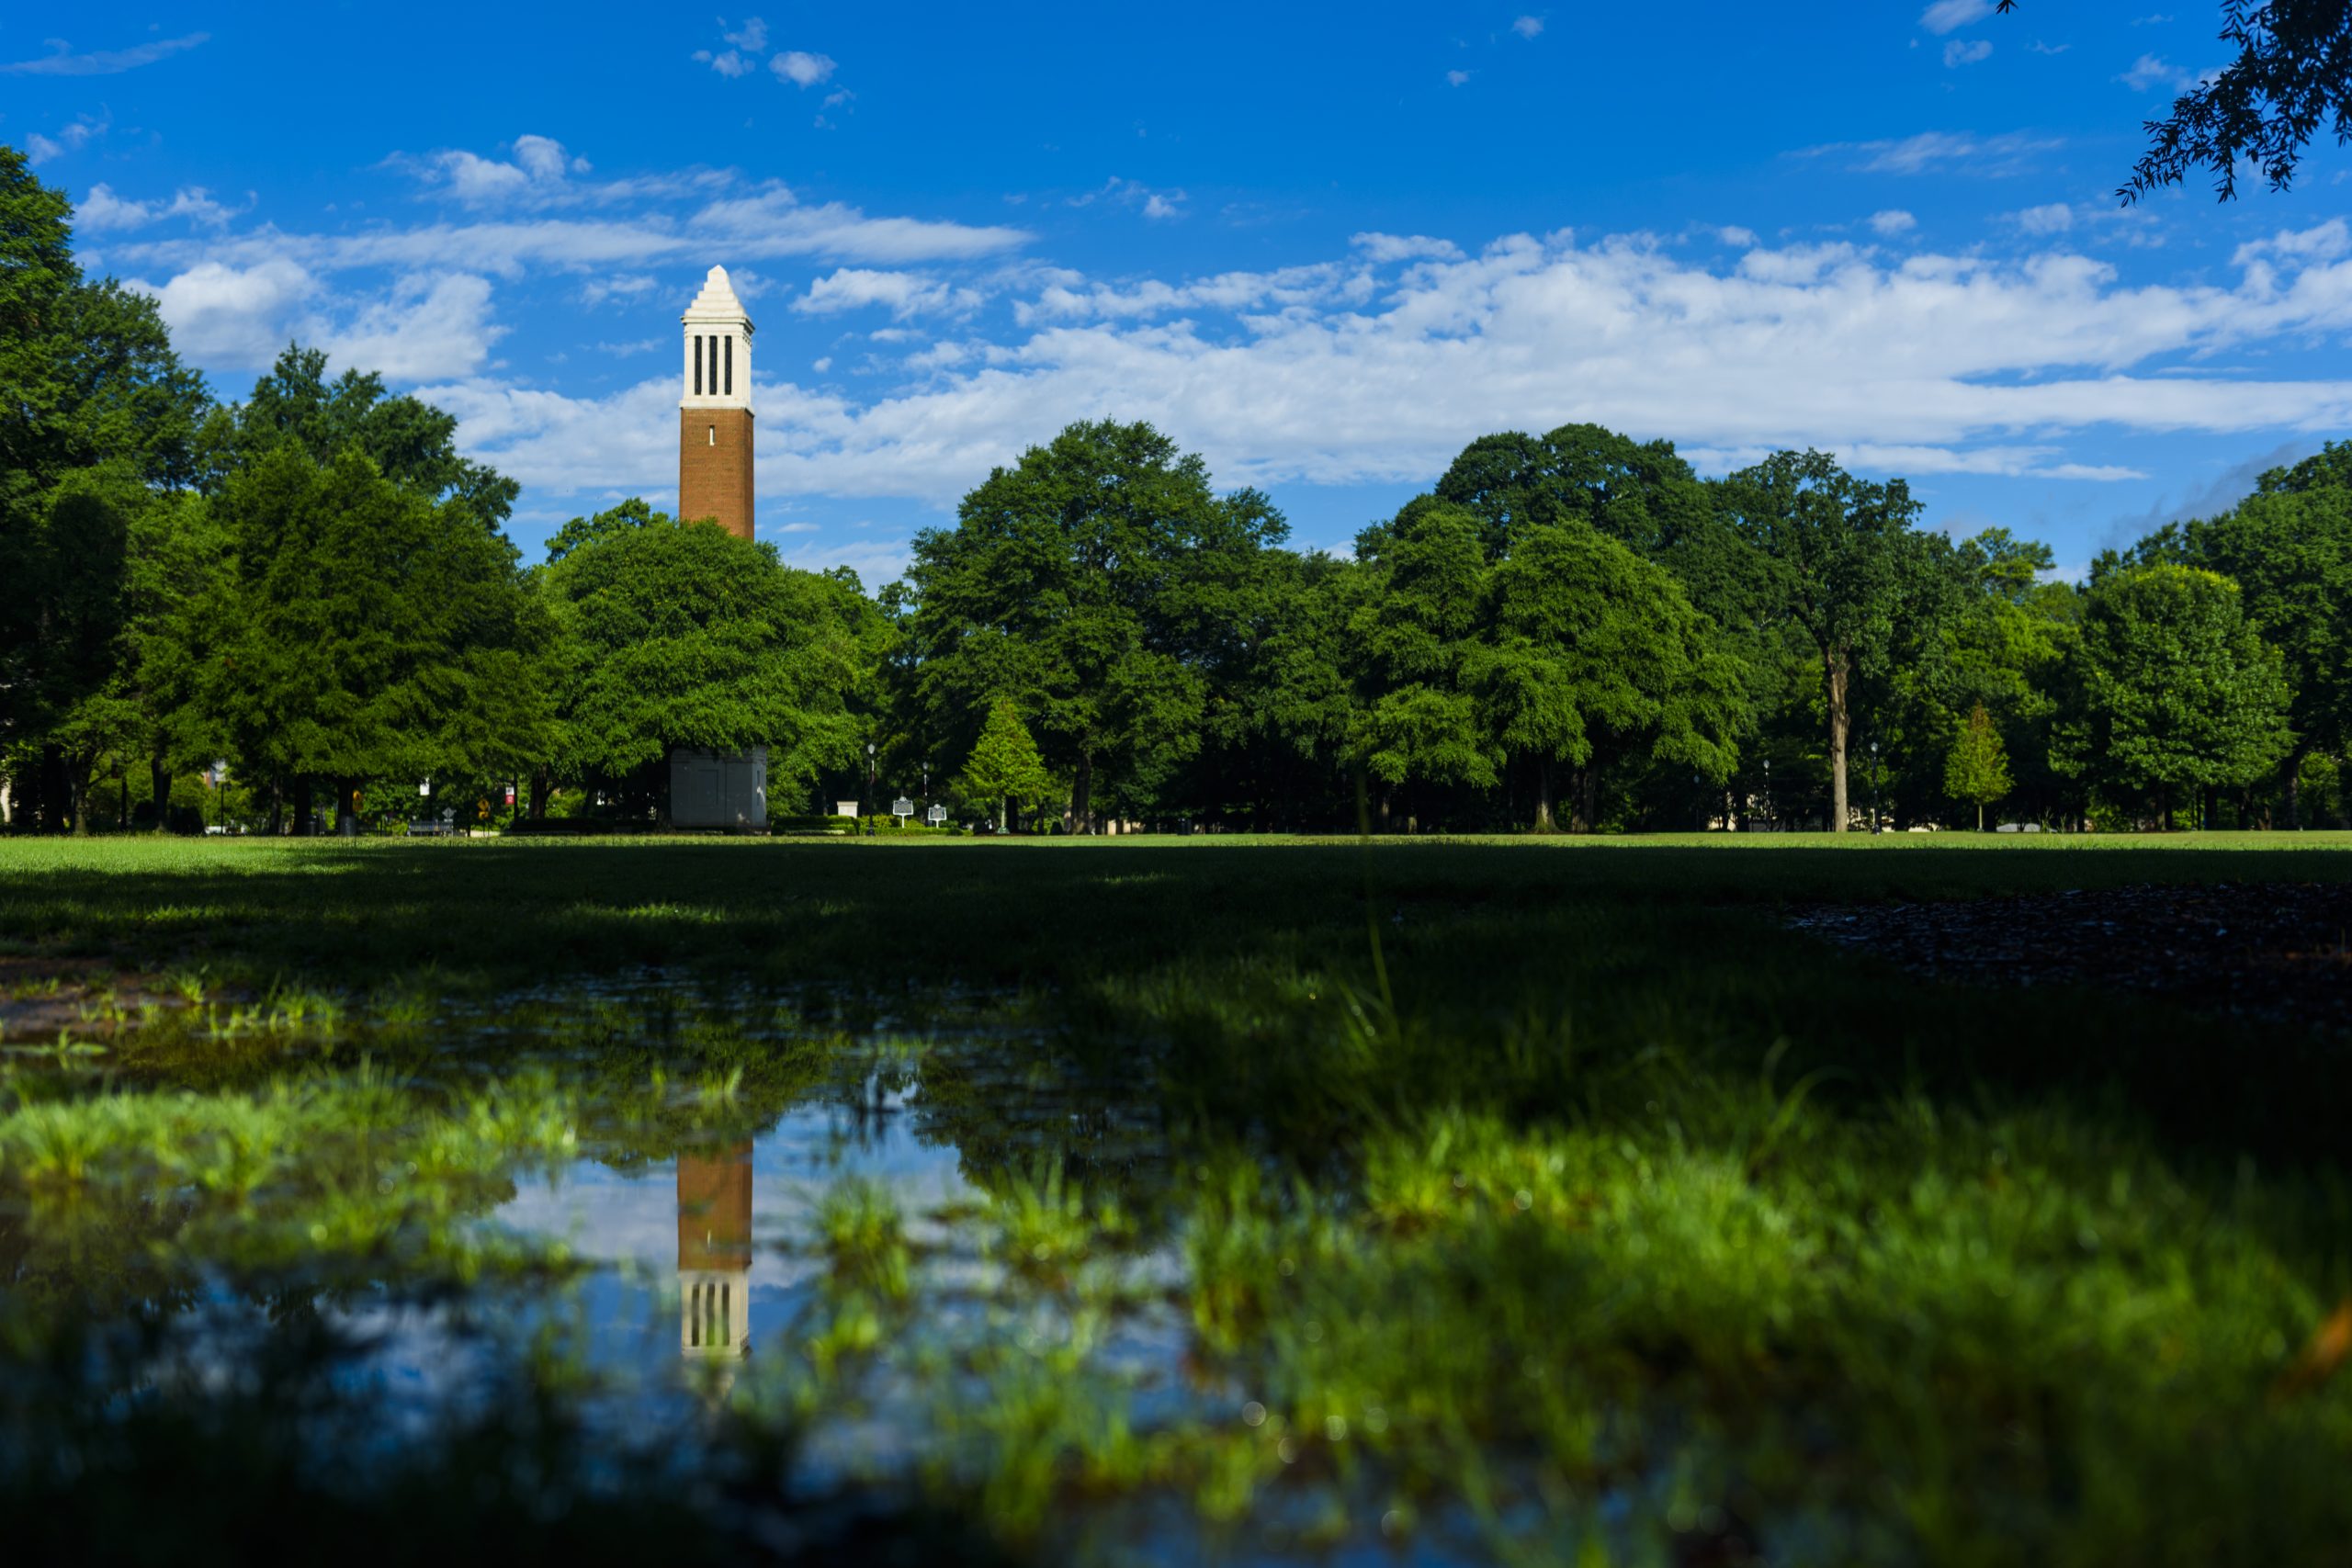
(1011, 1105)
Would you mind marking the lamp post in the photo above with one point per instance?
(1874, 827)
(869, 788)
(1769, 823)
(926, 789)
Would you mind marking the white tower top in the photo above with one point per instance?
(718, 369)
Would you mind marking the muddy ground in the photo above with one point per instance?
(2273, 952)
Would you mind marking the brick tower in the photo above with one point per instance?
(714, 414)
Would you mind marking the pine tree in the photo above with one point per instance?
(1977, 770)
(1004, 764)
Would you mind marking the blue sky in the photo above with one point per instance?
(1323, 246)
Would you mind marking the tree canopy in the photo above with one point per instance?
(2291, 79)
(683, 635)
(1086, 582)
(2172, 689)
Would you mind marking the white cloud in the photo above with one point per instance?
(2326, 243)
(2052, 217)
(745, 225)
(2151, 70)
(232, 316)
(801, 69)
(1967, 52)
(537, 177)
(1734, 235)
(63, 62)
(903, 294)
(1960, 151)
(622, 285)
(39, 148)
(1130, 193)
(102, 211)
(741, 57)
(1932, 364)
(428, 327)
(1527, 26)
(2098, 472)
(2037, 47)
(425, 326)
(1893, 221)
(1379, 247)
(1946, 15)
(797, 528)
(1456, 78)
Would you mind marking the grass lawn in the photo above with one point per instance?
(1550, 1199)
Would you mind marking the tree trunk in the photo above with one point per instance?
(302, 823)
(1544, 795)
(1840, 723)
(1004, 813)
(158, 781)
(346, 813)
(2295, 788)
(1980, 816)
(77, 792)
(1082, 797)
(53, 811)
(538, 795)
(1588, 800)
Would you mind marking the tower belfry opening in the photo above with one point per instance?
(714, 409)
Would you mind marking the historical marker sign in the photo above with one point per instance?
(902, 807)
(937, 815)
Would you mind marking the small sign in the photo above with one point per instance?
(937, 813)
(902, 807)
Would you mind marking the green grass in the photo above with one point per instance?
(1532, 1196)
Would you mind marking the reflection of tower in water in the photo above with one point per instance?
(714, 1253)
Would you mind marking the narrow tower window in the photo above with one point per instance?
(698, 366)
(731, 367)
(713, 436)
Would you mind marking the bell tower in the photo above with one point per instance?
(715, 411)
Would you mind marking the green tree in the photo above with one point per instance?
(412, 443)
(683, 635)
(1005, 766)
(95, 412)
(1641, 493)
(1086, 582)
(1976, 769)
(2170, 689)
(1282, 705)
(1417, 633)
(1588, 653)
(375, 632)
(1842, 563)
(2289, 548)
